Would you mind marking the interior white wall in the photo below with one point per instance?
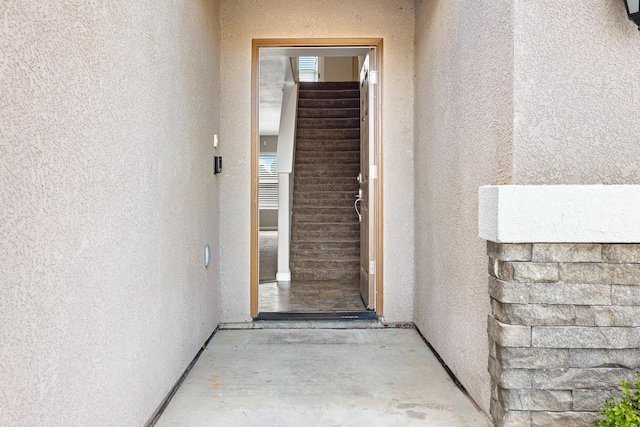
(338, 69)
(243, 20)
(463, 134)
(577, 93)
(268, 144)
(107, 199)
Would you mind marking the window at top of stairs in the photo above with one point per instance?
(308, 68)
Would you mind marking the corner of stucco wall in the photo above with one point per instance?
(463, 140)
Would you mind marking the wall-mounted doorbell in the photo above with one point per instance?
(217, 164)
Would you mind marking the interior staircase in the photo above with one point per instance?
(325, 232)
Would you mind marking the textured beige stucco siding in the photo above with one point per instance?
(577, 93)
(463, 135)
(107, 200)
(243, 20)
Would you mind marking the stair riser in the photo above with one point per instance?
(328, 112)
(336, 275)
(337, 248)
(327, 265)
(322, 239)
(315, 160)
(338, 157)
(328, 155)
(321, 197)
(346, 202)
(329, 85)
(349, 171)
(326, 255)
(328, 145)
(328, 187)
(335, 134)
(327, 184)
(347, 174)
(326, 123)
(329, 94)
(322, 211)
(322, 236)
(328, 103)
(349, 231)
(324, 203)
(340, 217)
(325, 236)
(327, 228)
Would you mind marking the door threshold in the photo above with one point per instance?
(317, 315)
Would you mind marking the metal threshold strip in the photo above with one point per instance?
(317, 315)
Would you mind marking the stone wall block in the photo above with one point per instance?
(527, 272)
(508, 291)
(532, 358)
(578, 378)
(594, 358)
(534, 314)
(566, 252)
(564, 419)
(624, 274)
(592, 400)
(509, 378)
(567, 315)
(585, 337)
(621, 253)
(505, 418)
(509, 251)
(610, 315)
(584, 273)
(502, 270)
(625, 295)
(516, 419)
(509, 335)
(536, 400)
(573, 293)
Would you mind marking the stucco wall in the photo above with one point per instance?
(463, 135)
(577, 93)
(106, 202)
(243, 20)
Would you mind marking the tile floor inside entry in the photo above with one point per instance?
(319, 377)
(299, 296)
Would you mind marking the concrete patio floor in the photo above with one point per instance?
(319, 377)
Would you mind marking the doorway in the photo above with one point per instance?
(309, 182)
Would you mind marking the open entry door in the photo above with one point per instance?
(368, 179)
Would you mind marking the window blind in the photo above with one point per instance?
(308, 68)
(267, 182)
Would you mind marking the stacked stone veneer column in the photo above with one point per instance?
(564, 328)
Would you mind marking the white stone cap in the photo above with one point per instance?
(559, 213)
